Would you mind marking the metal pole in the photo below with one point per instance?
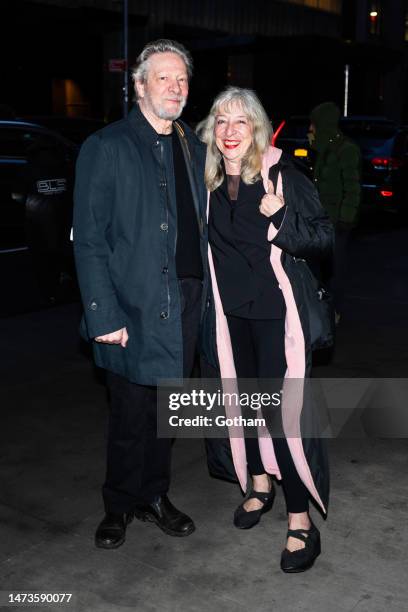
(125, 57)
(346, 89)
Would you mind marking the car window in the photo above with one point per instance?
(401, 145)
(18, 142)
(296, 128)
(369, 135)
(375, 147)
(373, 138)
(368, 130)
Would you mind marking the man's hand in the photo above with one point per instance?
(118, 337)
(271, 203)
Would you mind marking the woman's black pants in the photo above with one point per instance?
(258, 347)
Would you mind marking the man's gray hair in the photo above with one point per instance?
(163, 45)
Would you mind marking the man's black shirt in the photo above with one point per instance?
(188, 256)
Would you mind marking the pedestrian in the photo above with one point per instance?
(263, 216)
(337, 178)
(140, 248)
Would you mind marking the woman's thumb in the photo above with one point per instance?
(271, 188)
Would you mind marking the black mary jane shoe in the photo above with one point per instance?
(303, 559)
(244, 519)
(111, 532)
(166, 516)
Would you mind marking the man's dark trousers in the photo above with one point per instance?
(138, 463)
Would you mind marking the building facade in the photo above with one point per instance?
(376, 35)
(61, 53)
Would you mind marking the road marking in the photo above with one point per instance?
(13, 250)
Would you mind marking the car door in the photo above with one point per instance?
(13, 165)
(15, 143)
(400, 173)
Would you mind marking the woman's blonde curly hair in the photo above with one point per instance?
(251, 165)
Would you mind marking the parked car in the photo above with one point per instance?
(17, 140)
(291, 137)
(75, 129)
(384, 149)
(36, 185)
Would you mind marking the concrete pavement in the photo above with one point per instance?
(54, 412)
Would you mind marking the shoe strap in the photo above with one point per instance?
(299, 534)
(263, 497)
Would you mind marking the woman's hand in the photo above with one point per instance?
(271, 203)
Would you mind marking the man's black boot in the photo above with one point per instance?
(111, 532)
(162, 512)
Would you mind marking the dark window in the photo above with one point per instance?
(374, 138)
(369, 130)
(296, 128)
(401, 145)
(19, 142)
(406, 26)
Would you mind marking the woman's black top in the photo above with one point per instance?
(237, 232)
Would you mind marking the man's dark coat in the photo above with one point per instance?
(125, 234)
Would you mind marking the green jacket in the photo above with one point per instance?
(337, 168)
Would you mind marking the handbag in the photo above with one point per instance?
(319, 306)
(316, 300)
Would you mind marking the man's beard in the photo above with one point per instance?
(161, 112)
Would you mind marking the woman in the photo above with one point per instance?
(258, 228)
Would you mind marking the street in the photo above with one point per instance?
(52, 466)
(186, 134)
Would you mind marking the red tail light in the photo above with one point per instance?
(276, 134)
(386, 194)
(388, 163)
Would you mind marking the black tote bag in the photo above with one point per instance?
(318, 304)
(314, 297)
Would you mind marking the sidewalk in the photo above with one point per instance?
(52, 465)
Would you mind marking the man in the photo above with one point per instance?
(337, 178)
(140, 249)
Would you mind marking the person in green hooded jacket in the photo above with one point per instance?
(337, 179)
